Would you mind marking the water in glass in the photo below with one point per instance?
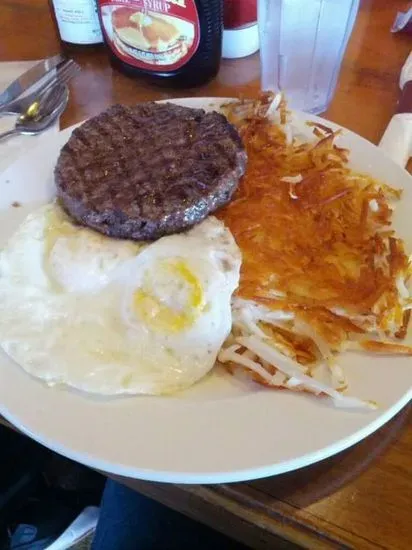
(302, 43)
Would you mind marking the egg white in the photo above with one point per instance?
(114, 317)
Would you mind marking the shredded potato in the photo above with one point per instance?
(317, 244)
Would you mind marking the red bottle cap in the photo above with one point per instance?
(238, 13)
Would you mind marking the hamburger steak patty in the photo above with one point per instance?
(149, 170)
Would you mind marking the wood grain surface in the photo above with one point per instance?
(361, 498)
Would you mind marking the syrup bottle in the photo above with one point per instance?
(171, 42)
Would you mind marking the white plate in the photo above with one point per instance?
(221, 429)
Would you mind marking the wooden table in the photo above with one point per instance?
(362, 498)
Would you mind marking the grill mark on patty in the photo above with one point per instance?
(149, 170)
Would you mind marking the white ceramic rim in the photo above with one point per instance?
(206, 443)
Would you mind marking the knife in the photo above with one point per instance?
(397, 139)
(29, 79)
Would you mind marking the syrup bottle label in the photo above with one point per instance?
(159, 35)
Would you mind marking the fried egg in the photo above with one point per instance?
(115, 317)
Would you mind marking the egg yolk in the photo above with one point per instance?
(182, 301)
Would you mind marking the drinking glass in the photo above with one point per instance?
(302, 43)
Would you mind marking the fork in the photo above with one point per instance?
(52, 105)
(64, 73)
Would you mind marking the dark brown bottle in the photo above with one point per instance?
(171, 42)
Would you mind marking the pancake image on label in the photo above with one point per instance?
(153, 37)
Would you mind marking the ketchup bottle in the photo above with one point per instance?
(171, 42)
